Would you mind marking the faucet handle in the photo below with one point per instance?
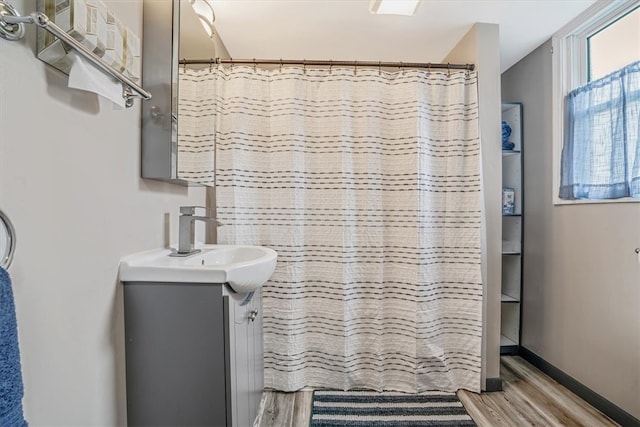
(191, 210)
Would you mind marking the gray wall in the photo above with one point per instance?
(70, 182)
(581, 297)
(481, 46)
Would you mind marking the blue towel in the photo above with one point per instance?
(11, 388)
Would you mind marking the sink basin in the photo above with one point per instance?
(244, 268)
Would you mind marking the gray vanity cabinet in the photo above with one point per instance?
(193, 355)
(246, 361)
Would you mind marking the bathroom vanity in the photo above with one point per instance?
(193, 335)
(193, 354)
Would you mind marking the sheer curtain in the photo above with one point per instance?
(367, 185)
(601, 154)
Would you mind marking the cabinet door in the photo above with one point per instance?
(174, 354)
(242, 358)
(256, 365)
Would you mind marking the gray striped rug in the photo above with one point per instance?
(373, 409)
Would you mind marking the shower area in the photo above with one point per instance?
(367, 184)
(371, 182)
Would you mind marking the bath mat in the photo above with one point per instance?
(373, 409)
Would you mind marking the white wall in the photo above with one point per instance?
(581, 284)
(481, 46)
(69, 181)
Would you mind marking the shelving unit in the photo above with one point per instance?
(512, 226)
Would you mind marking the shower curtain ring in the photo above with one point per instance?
(184, 63)
(280, 64)
(330, 65)
(304, 66)
(254, 65)
(355, 68)
(210, 64)
(379, 68)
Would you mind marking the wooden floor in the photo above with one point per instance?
(529, 398)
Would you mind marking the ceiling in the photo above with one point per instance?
(345, 30)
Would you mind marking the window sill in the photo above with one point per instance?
(561, 202)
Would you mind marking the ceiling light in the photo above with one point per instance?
(205, 13)
(394, 7)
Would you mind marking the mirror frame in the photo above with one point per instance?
(160, 50)
(163, 45)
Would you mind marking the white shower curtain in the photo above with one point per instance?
(367, 184)
(195, 148)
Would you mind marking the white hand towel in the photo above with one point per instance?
(84, 76)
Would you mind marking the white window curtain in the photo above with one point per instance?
(367, 184)
(601, 153)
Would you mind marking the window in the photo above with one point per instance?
(601, 154)
(603, 39)
(614, 46)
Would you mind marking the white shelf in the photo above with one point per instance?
(505, 342)
(507, 298)
(510, 248)
(511, 274)
(512, 178)
(506, 153)
(511, 280)
(511, 115)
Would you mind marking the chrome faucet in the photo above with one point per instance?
(186, 230)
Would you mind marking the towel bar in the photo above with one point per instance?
(7, 257)
(12, 28)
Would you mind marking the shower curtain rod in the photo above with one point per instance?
(329, 63)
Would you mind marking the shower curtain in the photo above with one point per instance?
(367, 184)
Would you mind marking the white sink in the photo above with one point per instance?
(244, 268)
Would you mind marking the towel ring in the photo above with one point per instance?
(8, 234)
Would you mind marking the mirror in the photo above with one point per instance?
(171, 31)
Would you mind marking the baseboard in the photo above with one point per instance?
(493, 384)
(594, 399)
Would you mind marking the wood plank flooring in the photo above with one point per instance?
(280, 409)
(529, 398)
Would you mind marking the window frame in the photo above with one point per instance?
(570, 68)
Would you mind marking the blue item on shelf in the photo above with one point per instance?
(508, 145)
(506, 132)
(508, 201)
